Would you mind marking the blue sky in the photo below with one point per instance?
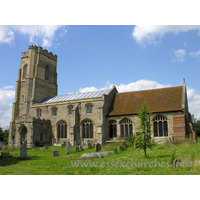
(96, 57)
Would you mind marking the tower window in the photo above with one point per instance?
(22, 98)
(25, 72)
(46, 73)
(41, 137)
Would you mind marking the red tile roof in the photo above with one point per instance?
(157, 100)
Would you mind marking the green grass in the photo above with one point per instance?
(43, 163)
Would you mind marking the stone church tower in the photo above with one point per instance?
(37, 79)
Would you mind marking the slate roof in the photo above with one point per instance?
(75, 96)
(157, 100)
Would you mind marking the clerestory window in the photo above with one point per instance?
(54, 111)
(39, 113)
(89, 108)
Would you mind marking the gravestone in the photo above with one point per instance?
(55, 153)
(53, 140)
(5, 154)
(80, 148)
(115, 150)
(75, 143)
(191, 157)
(36, 148)
(104, 153)
(88, 144)
(76, 149)
(23, 150)
(64, 144)
(97, 147)
(119, 148)
(1, 145)
(68, 144)
(68, 148)
(92, 155)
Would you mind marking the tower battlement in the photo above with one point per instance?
(40, 50)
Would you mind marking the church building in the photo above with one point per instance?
(103, 116)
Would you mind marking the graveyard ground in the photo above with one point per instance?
(41, 162)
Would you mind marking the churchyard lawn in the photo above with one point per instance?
(129, 161)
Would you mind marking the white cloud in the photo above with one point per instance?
(87, 89)
(6, 34)
(45, 33)
(194, 54)
(153, 34)
(140, 85)
(194, 102)
(179, 55)
(193, 95)
(134, 86)
(6, 99)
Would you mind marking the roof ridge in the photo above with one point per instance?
(150, 89)
(82, 92)
(75, 96)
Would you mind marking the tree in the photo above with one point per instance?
(143, 138)
(196, 126)
(4, 135)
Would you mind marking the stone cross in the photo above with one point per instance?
(97, 147)
(1, 145)
(23, 150)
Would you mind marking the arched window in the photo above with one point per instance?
(126, 128)
(46, 73)
(87, 129)
(113, 129)
(69, 110)
(62, 129)
(24, 72)
(54, 111)
(89, 108)
(39, 113)
(160, 126)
